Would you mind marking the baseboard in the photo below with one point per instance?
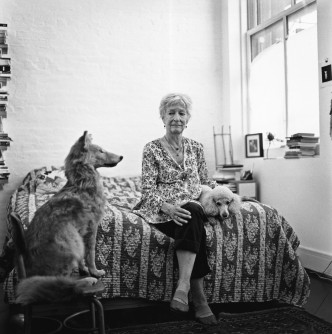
(316, 261)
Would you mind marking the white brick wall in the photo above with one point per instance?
(103, 66)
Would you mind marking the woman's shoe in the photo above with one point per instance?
(179, 302)
(204, 315)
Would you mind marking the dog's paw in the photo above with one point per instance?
(97, 273)
(86, 281)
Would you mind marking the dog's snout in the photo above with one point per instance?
(120, 157)
(224, 215)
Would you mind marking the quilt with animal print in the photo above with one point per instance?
(252, 255)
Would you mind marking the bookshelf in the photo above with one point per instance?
(5, 76)
(246, 188)
(227, 172)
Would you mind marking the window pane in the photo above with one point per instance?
(270, 8)
(302, 19)
(251, 14)
(267, 92)
(302, 70)
(266, 38)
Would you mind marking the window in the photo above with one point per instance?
(283, 79)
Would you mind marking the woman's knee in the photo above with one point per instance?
(194, 208)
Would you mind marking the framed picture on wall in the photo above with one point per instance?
(254, 145)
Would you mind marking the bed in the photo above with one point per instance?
(252, 255)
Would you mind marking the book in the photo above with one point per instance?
(291, 157)
(292, 154)
(3, 97)
(303, 139)
(5, 69)
(3, 49)
(3, 33)
(303, 134)
(231, 166)
(308, 154)
(2, 161)
(3, 37)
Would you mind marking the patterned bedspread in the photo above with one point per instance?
(252, 256)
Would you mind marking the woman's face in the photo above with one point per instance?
(175, 119)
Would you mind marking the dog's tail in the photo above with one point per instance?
(51, 289)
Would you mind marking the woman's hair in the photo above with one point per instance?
(175, 99)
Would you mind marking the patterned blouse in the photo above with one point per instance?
(164, 180)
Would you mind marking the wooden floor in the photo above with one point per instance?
(319, 303)
(320, 300)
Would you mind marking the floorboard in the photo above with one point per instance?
(320, 299)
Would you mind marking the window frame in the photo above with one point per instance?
(282, 16)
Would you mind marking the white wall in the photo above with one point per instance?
(300, 189)
(104, 66)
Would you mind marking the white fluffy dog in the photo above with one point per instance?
(220, 201)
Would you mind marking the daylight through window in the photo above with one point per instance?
(283, 80)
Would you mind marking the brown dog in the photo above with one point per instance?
(62, 233)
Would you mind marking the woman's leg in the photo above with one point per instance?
(197, 270)
(186, 260)
(191, 237)
(203, 312)
(191, 253)
(190, 245)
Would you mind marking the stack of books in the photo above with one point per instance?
(5, 75)
(301, 145)
(3, 39)
(5, 66)
(227, 174)
(4, 141)
(3, 110)
(4, 171)
(3, 33)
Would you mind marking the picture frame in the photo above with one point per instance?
(254, 145)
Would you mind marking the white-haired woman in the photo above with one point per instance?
(173, 170)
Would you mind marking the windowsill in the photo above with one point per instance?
(279, 153)
(300, 158)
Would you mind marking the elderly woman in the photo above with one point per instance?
(173, 170)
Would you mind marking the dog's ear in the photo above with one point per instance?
(235, 205)
(207, 201)
(205, 189)
(210, 206)
(86, 138)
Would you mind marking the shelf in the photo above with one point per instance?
(2, 183)
(247, 188)
(5, 76)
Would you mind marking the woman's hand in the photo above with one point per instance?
(179, 215)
